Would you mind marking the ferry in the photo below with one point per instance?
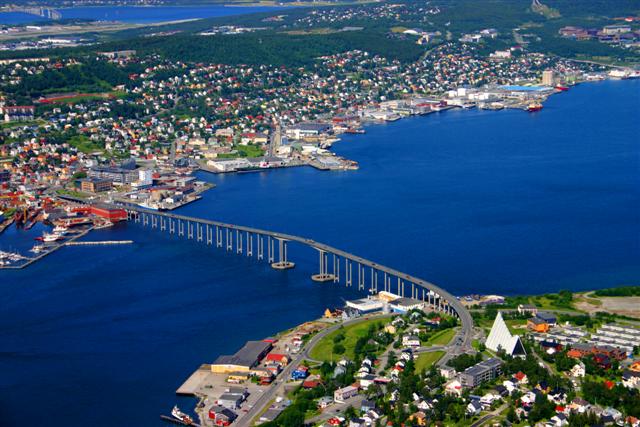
(179, 415)
(562, 88)
(534, 106)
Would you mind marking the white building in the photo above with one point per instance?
(500, 338)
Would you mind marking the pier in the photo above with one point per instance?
(335, 265)
(104, 242)
(49, 250)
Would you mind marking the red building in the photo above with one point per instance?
(112, 214)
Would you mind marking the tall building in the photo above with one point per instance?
(548, 78)
(500, 338)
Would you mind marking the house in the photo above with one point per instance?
(300, 373)
(411, 341)
(357, 422)
(474, 407)
(578, 370)
(418, 418)
(453, 387)
(631, 379)
(538, 325)
(282, 359)
(325, 401)
(579, 405)
(559, 420)
(221, 416)
(391, 329)
(549, 318)
(367, 405)
(528, 309)
(345, 393)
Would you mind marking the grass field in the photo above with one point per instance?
(323, 350)
(442, 337)
(425, 360)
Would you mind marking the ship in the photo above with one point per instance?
(179, 415)
(562, 88)
(534, 106)
(37, 249)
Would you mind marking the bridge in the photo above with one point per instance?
(334, 265)
(44, 12)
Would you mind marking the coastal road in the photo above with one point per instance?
(277, 389)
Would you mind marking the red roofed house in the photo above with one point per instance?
(283, 359)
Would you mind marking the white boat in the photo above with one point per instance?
(60, 229)
(37, 249)
(179, 415)
(51, 237)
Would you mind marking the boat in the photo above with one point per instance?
(51, 237)
(534, 106)
(562, 88)
(60, 229)
(179, 415)
(37, 249)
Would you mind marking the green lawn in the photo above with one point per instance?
(323, 350)
(442, 337)
(83, 144)
(243, 151)
(425, 360)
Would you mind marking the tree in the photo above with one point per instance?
(338, 349)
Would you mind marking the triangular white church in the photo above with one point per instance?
(500, 338)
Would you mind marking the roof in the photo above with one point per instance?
(500, 337)
(546, 316)
(248, 355)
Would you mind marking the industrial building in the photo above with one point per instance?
(403, 305)
(366, 305)
(243, 360)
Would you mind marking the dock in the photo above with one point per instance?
(176, 421)
(190, 386)
(103, 242)
(47, 252)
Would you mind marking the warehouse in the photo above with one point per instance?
(366, 305)
(243, 360)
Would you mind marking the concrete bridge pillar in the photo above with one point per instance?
(336, 269)
(238, 242)
(229, 241)
(283, 263)
(189, 230)
(180, 228)
(249, 244)
(348, 272)
(323, 275)
(209, 235)
(260, 239)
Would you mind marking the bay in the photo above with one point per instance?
(475, 201)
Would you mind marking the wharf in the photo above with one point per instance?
(103, 242)
(49, 251)
(190, 386)
(177, 421)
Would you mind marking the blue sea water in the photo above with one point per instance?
(476, 201)
(137, 14)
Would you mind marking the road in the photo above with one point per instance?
(489, 416)
(278, 388)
